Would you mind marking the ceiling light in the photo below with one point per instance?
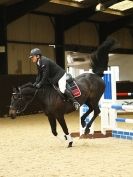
(100, 7)
(122, 6)
(73, 3)
(78, 0)
(104, 5)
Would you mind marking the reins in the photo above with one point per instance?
(30, 101)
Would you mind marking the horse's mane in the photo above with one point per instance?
(28, 89)
(29, 84)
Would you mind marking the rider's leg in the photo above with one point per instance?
(64, 90)
(72, 99)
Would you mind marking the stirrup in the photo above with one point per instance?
(76, 105)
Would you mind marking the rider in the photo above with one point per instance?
(49, 71)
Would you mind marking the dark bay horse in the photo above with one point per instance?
(53, 105)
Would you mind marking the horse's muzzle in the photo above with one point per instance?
(12, 113)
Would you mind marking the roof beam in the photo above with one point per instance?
(75, 18)
(19, 9)
(44, 14)
(123, 22)
(105, 29)
(90, 49)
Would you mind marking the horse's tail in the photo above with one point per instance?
(100, 58)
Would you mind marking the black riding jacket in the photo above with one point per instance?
(48, 71)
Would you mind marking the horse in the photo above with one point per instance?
(54, 105)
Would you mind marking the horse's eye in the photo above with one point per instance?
(14, 96)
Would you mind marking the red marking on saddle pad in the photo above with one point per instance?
(75, 90)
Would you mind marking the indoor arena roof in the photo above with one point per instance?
(95, 11)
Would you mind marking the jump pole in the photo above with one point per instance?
(120, 132)
(123, 133)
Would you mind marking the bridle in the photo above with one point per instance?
(20, 98)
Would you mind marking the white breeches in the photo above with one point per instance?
(62, 83)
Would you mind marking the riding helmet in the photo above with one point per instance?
(35, 51)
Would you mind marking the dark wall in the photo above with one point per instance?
(124, 87)
(7, 82)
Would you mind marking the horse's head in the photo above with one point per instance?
(20, 99)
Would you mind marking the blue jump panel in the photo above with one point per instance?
(123, 134)
(108, 89)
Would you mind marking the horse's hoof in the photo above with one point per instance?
(54, 133)
(70, 144)
(87, 131)
(83, 124)
(65, 137)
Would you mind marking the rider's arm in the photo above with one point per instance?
(37, 79)
(45, 75)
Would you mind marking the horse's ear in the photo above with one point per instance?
(15, 89)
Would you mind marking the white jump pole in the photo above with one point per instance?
(123, 133)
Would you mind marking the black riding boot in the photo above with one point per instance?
(72, 99)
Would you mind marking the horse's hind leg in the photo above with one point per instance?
(83, 117)
(96, 113)
(63, 125)
(52, 122)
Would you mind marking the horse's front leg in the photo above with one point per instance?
(63, 125)
(52, 121)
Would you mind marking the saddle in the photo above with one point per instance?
(71, 85)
